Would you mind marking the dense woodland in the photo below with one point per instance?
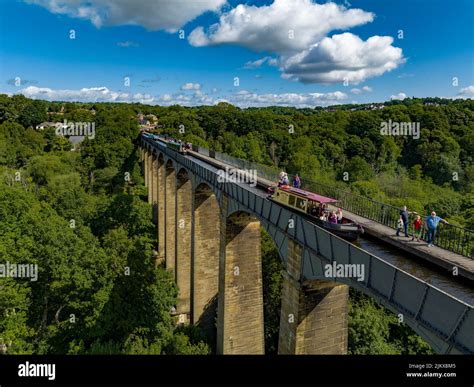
(88, 226)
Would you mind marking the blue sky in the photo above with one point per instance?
(311, 52)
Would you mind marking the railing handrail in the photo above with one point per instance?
(384, 204)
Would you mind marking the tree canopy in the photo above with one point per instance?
(89, 231)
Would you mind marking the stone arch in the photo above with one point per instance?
(161, 236)
(205, 264)
(270, 269)
(314, 313)
(170, 216)
(240, 313)
(148, 166)
(142, 160)
(154, 186)
(198, 181)
(184, 199)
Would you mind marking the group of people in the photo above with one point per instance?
(322, 212)
(285, 181)
(186, 145)
(431, 223)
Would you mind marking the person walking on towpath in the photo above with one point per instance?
(404, 218)
(399, 225)
(296, 181)
(417, 228)
(431, 225)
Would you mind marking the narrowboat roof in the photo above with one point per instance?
(308, 195)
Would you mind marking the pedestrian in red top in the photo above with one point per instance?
(417, 227)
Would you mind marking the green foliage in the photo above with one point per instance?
(369, 329)
(76, 217)
(358, 169)
(33, 114)
(272, 282)
(365, 188)
(83, 269)
(43, 168)
(15, 301)
(125, 211)
(376, 331)
(17, 145)
(64, 257)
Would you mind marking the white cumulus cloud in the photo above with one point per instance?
(92, 94)
(260, 62)
(246, 99)
(365, 89)
(467, 91)
(241, 98)
(344, 57)
(151, 14)
(191, 86)
(283, 26)
(297, 32)
(194, 99)
(399, 96)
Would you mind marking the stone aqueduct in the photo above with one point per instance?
(212, 247)
(208, 235)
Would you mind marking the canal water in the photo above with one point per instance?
(438, 277)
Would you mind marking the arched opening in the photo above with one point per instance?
(205, 265)
(183, 242)
(170, 217)
(161, 206)
(142, 159)
(272, 279)
(146, 156)
(149, 169)
(240, 313)
(313, 318)
(154, 187)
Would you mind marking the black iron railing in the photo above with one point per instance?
(450, 237)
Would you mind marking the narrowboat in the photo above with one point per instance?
(314, 207)
(176, 146)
